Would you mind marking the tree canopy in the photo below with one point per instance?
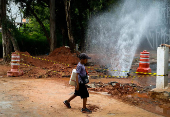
(71, 21)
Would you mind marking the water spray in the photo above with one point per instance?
(116, 34)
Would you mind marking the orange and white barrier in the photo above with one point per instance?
(144, 64)
(15, 66)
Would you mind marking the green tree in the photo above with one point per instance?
(72, 17)
(34, 8)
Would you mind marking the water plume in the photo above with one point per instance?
(116, 34)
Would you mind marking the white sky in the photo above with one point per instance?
(15, 13)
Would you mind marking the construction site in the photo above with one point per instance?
(115, 52)
(44, 84)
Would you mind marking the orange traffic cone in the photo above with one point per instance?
(144, 64)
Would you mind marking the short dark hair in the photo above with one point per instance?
(83, 56)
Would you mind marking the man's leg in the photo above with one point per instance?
(67, 102)
(84, 109)
(84, 102)
(71, 98)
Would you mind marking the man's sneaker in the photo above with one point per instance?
(67, 104)
(86, 110)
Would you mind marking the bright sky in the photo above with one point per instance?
(15, 13)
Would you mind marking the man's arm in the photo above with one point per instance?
(77, 82)
(166, 45)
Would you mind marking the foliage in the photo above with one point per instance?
(31, 37)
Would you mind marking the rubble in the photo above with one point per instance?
(163, 96)
(113, 88)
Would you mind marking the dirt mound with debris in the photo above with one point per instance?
(63, 55)
(24, 57)
(114, 88)
(59, 63)
(133, 94)
(60, 55)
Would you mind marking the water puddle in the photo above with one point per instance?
(5, 104)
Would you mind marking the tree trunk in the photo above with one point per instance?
(52, 26)
(0, 14)
(82, 42)
(14, 42)
(64, 35)
(6, 44)
(68, 20)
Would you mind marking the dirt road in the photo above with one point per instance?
(28, 97)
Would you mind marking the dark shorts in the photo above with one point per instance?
(82, 92)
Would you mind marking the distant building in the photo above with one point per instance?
(25, 20)
(19, 24)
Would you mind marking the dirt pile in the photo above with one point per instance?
(53, 70)
(64, 71)
(63, 55)
(37, 61)
(59, 63)
(24, 56)
(59, 55)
